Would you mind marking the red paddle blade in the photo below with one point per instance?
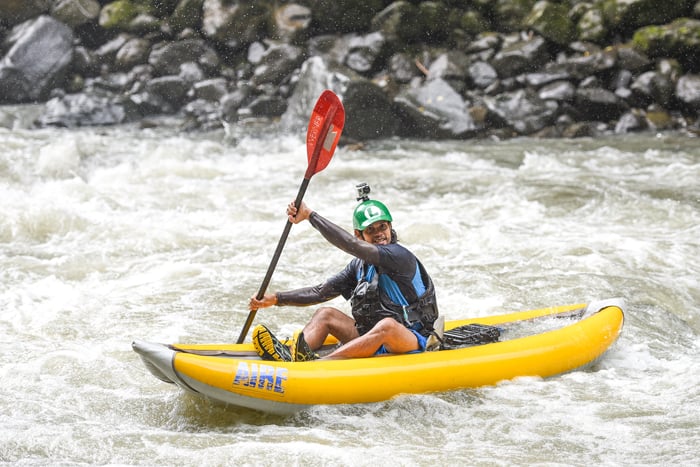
(325, 127)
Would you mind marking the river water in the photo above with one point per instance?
(109, 235)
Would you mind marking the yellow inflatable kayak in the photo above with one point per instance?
(544, 342)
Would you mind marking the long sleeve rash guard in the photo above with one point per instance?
(392, 259)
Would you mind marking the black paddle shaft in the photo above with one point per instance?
(273, 263)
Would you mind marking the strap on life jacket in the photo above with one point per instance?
(377, 296)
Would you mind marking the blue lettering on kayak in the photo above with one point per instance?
(265, 377)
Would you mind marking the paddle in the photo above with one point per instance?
(325, 127)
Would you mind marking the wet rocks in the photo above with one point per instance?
(38, 59)
(420, 69)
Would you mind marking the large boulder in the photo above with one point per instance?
(679, 39)
(627, 15)
(435, 110)
(315, 76)
(369, 112)
(37, 60)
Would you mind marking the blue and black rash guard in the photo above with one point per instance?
(393, 262)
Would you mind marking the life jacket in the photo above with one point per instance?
(377, 296)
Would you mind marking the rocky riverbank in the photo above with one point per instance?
(422, 69)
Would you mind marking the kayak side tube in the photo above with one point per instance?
(286, 387)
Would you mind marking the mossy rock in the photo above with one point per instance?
(120, 14)
(551, 21)
(679, 39)
(631, 14)
(435, 21)
(473, 23)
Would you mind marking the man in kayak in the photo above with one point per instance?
(392, 296)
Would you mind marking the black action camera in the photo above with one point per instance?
(362, 191)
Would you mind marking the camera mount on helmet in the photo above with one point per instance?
(362, 192)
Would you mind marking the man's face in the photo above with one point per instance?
(378, 233)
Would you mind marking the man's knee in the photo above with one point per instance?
(325, 313)
(387, 325)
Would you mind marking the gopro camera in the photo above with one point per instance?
(362, 192)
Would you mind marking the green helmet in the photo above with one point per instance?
(368, 212)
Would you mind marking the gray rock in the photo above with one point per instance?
(75, 12)
(398, 22)
(599, 104)
(580, 67)
(187, 14)
(83, 110)
(522, 56)
(231, 102)
(688, 92)
(558, 91)
(211, 89)
(591, 26)
(171, 90)
(291, 22)
(652, 86)
(522, 110)
(435, 109)
(37, 61)
(191, 72)
(630, 122)
(482, 74)
(402, 68)
(316, 75)
(166, 57)
(134, 52)
(16, 12)
(369, 110)
(364, 52)
(265, 106)
(537, 80)
(631, 59)
(451, 66)
(276, 63)
(234, 24)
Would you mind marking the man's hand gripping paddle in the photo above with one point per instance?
(325, 127)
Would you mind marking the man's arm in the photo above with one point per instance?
(344, 240)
